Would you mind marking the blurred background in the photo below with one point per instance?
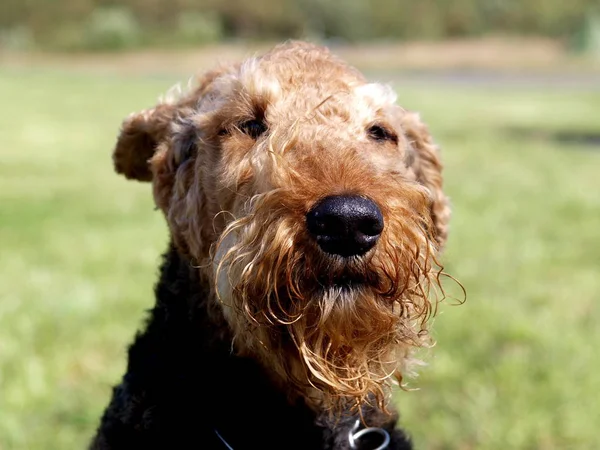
(510, 90)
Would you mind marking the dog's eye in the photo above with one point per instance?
(381, 134)
(253, 128)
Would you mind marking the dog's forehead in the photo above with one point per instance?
(306, 86)
(295, 86)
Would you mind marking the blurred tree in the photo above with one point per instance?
(61, 23)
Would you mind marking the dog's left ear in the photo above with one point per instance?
(428, 169)
(140, 134)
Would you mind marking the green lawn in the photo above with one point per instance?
(516, 367)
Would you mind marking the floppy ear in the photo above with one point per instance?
(140, 134)
(428, 169)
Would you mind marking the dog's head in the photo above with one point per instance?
(315, 205)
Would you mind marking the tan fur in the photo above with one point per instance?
(236, 207)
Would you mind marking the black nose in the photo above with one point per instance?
(345, 225)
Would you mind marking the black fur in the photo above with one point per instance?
(183, 383)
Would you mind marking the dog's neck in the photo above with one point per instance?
(189, 347)
(196, 357)
(187, 291)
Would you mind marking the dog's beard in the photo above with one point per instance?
(344, 328)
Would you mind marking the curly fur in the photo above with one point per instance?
(323, 335)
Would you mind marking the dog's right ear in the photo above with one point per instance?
(428, 169)
(140, 134)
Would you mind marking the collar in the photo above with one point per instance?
(354, 436)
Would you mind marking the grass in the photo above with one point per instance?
(515, 367)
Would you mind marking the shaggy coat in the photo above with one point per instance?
(183, 385)
(264, 335)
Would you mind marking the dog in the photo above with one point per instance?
(306, 217)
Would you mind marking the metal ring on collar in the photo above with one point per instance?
(354, 436)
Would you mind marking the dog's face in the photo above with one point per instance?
(314, 203)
